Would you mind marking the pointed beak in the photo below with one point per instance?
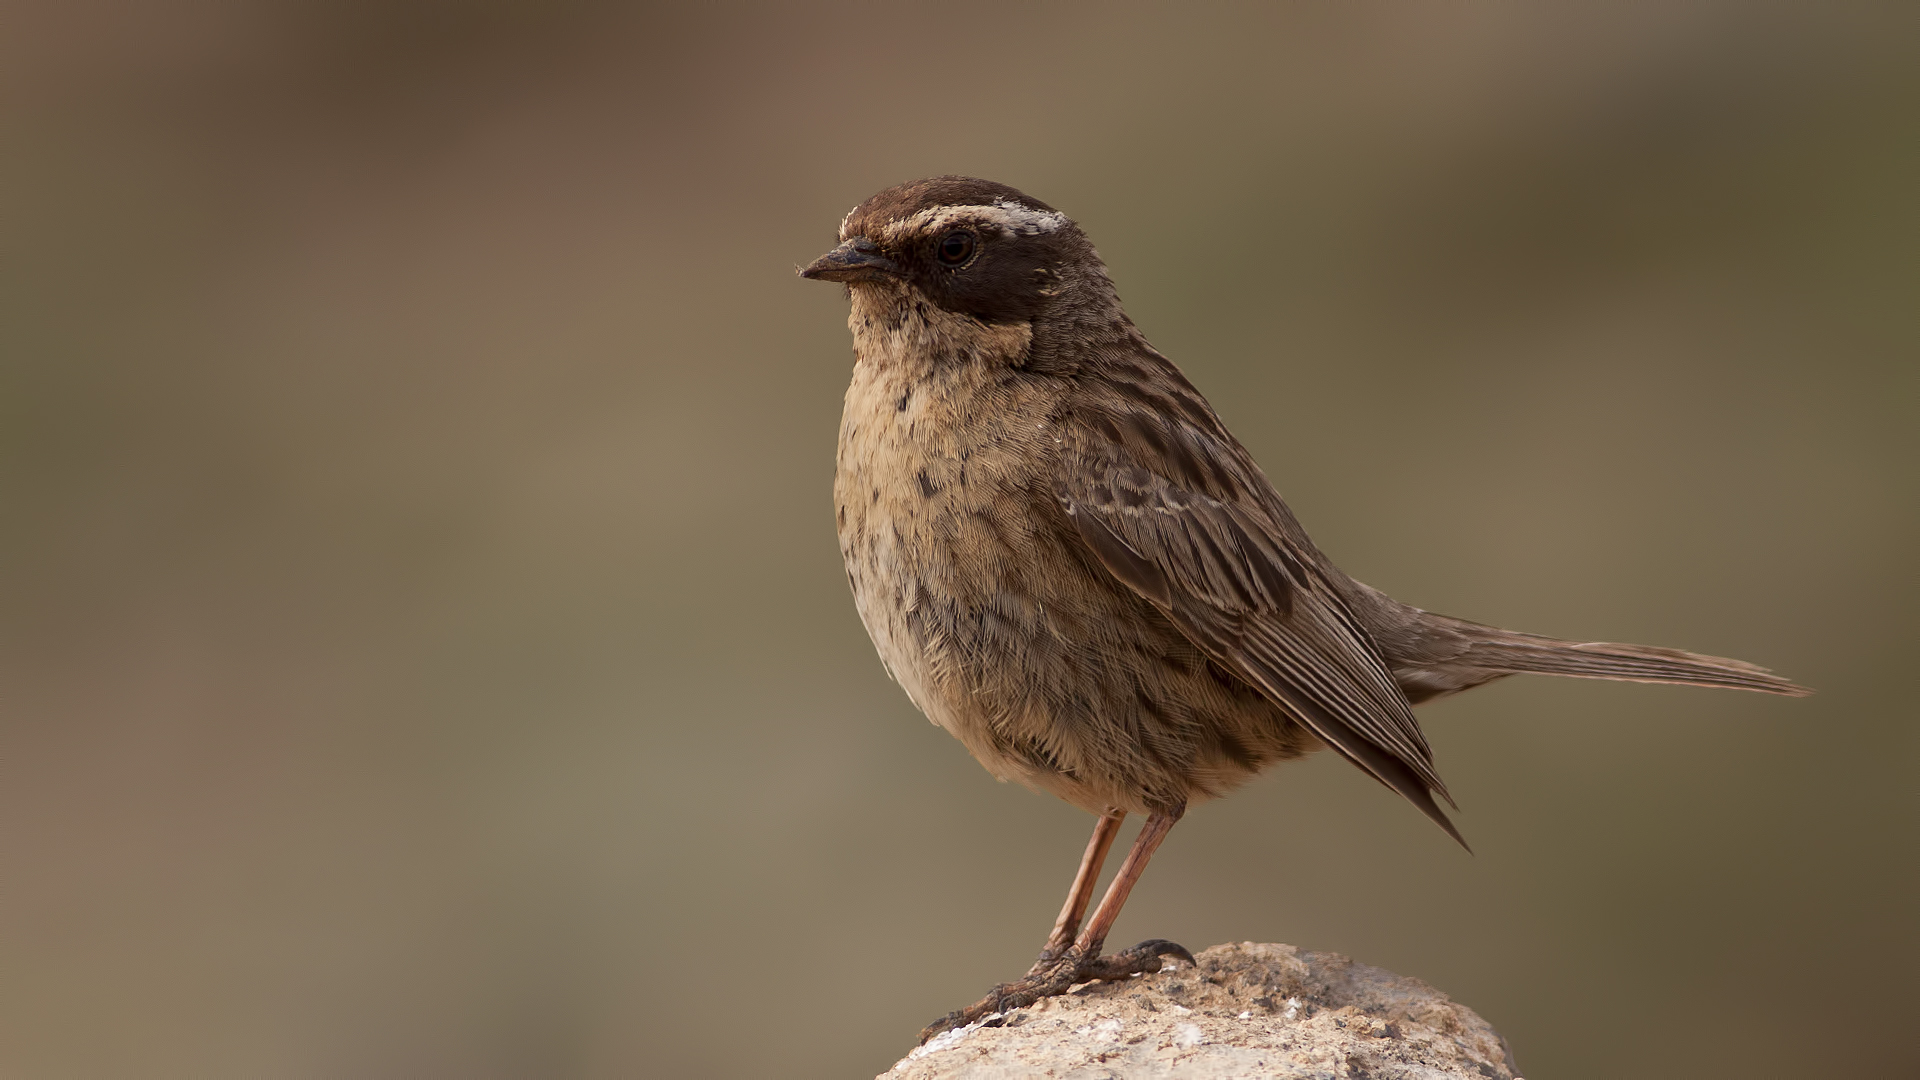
(858, 259)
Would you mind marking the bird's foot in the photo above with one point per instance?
(1056, 975)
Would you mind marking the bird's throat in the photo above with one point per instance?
(895, 326)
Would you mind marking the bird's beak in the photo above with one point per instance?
(858, 259)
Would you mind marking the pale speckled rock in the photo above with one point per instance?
(1250, 1011)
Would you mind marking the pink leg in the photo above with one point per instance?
(1144, 845)
(1081, 961)
(1068, 924)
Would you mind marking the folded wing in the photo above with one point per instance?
(1170, 504)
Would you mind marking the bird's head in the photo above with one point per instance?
(969, 247)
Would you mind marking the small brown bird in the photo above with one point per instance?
(1069, 563)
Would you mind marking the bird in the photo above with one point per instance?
(1068, 562)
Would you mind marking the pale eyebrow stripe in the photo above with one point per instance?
(1005, 214)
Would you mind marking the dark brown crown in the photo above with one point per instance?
(903, 201)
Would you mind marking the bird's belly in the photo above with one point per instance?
(956, 593)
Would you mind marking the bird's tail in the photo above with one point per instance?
(1509, 651)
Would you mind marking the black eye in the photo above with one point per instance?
(956, 247)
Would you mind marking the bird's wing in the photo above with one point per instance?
(1171, 504)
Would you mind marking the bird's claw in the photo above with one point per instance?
(1142, 959)
(1068, 971)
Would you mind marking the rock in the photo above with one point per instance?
(1249, 1011)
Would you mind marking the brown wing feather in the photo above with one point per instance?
(1170, 504)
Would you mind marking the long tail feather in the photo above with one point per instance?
(1510, 651)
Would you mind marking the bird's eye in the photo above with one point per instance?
(956, 247)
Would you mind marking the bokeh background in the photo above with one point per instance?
(426, 650)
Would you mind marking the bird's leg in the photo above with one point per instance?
(1086, 948)
(1105, 828)
(1081, 961)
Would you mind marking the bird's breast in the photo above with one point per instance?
(939, 500)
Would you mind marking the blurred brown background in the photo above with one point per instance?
(427, 653)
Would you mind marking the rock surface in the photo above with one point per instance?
(1252, 1011)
